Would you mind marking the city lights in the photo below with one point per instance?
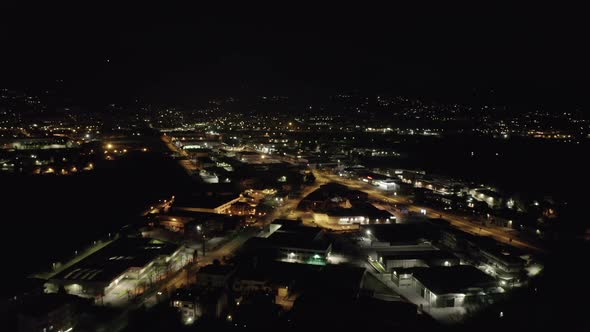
(378, 181)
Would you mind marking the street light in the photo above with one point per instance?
(368, 232)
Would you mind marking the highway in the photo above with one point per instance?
(458, 221)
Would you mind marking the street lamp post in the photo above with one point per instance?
(204, 241)
(202, 236)
(369, 234)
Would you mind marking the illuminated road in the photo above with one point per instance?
(228, 248)
(180, 278)
(458, 221)
(157, 207)
(288, 210)
(225, 250)
(187, 164)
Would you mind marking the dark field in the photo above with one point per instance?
(46, 218)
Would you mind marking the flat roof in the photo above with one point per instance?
(291, 237)
(330, 190)
(423, 254)
(298, 237)
(304, 233)
(360, 209)
(400, 233)
(109, 262)
(337, 277)
(453, 279)
(502, 252)
(278, 272)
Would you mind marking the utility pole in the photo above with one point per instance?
(204, 240)
(196, 256)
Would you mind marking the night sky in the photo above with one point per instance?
(114, 51)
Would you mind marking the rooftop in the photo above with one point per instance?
(453, 279)
(289, 236)
(298, 237)
(361, 209)
(423, 254)
(331, 190)
(400, 233)
(502, 252)
(112, 260)
(329, 277)
(281, 273)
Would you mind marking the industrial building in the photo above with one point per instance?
(124, 259)
(454, 286)
(289, 241)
